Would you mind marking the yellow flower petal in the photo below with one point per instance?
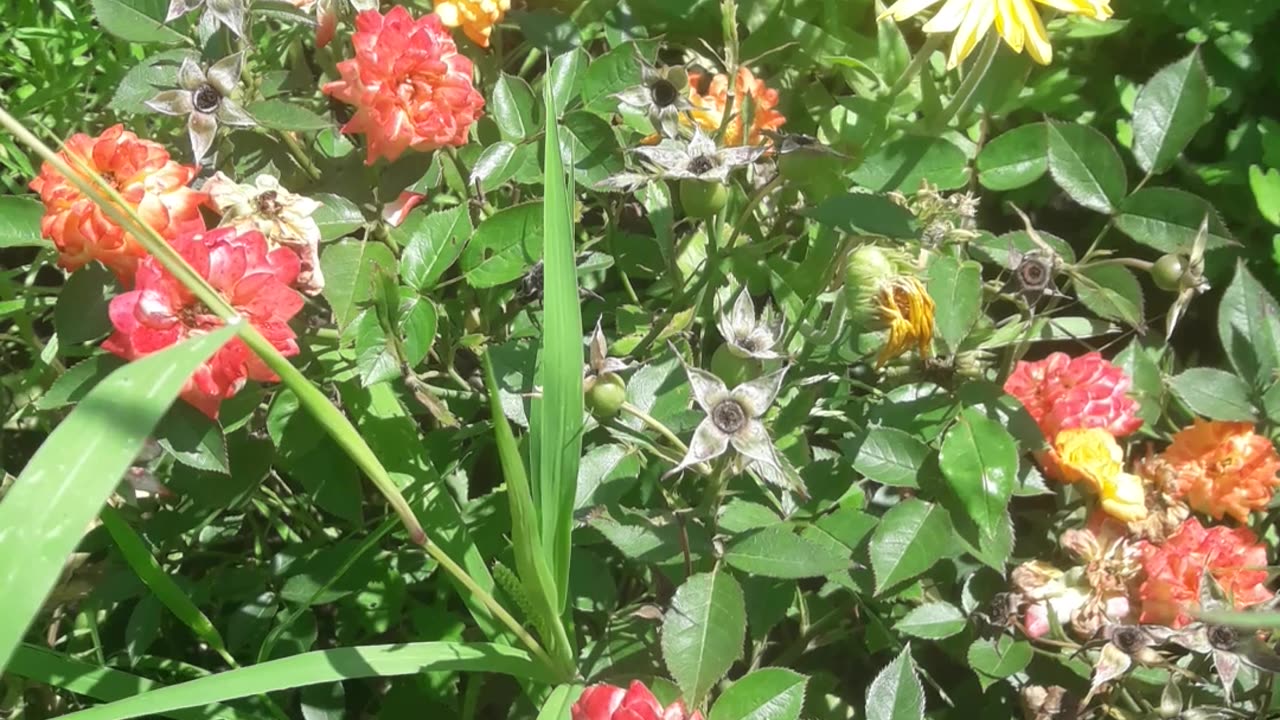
(1038, 46)
(950, 16)
(977, 21)
(1125, 498)
(904, 9)
(1008, 25)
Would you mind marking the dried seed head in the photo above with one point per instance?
(729, 416)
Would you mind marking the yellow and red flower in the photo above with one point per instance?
(1175, 569)
(607, 702)
(410, 86)
(161, 311)
(150, 182)
(751, 99)
(1092, 457)
(1223, 468)
(1061, 392)
(477, 18)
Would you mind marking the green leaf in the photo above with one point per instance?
(322, 667)
(75, 470)
(1085, 165)
(349, 268)
(1139, 363)
(1168, 220)
(148, 570)
(888, 456)
(504, 246)
(281, 115)
(512, 108)
(143, 81)
(337, 217)
(903, 163)
(140, 21)
(565, 76)
(193, 439)
(80, 315)
(20, 222)
(979, 460)
(72, 385)
(1015, 158)
(703, 632)
(589, 142)
(1214, 394)
(993, 660)
(557, 422)
(767, 694)
(1249, 328)
(418, 319)
(610, 73)
(1112, 292)
(559, 704)
(896, 693)
(1169, 110)
(778, 552)
(907, 541)
(932, 621)
(497, 164)
(376, 358)
(99, 683)
(997, 249)
(956, 288)
(865, 214)
(303, 451)
(1265, 187)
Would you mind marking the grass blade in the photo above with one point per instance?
(560, 702)
(320, 667)
(96, 682)
(75, 470)
(558, 422)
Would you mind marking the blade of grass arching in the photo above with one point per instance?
(66, 482)
(560, 703)
(323, 666)
(559, 422)
(148, 570)
(94, 681)
(531, 565)
(310, 397)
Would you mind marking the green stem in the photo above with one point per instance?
(655, 425)
(966, 95)
(921, 58)
(1135, 263)
(300, 155)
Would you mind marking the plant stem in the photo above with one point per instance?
(1135, 263)
(300, 155)
(966, 94)
(918, 61)
(655, 425)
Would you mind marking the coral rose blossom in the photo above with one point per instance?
(1223, 468)
(607, 702)
(709, 106)
(1232, 556)
(1061, 392)
(409, 85)
(150, 182)
(161, 311)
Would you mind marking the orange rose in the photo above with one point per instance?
(150, 182)
(1223, 468)
(751, 99)
(477, 18)
(1232, 556)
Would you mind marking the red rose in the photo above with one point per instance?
(608, 702)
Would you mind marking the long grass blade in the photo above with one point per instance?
(559, 420)
(65, 484)
(320, 667)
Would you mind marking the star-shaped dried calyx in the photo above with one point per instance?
(1192, 281)
(204, 96)
(750, 336)
(663, 93)
(229, 13)
(1033, 272)
(695, 159)
(733, 419)
(599, 364)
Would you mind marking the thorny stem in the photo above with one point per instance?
(309, 396)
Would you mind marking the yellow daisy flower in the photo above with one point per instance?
(1017, 21)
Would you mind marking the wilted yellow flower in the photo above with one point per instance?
(906, 309)
(1017, 21)
(475, 17)
(1092, 457)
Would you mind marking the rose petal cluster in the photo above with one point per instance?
(151, 184)
(752, 99)
(410, 86)
(1093, 458)
(283, 218)
(1061, 392)
(1233, 557)
(160, 311)
(1223, 468)
(477, 18)
(608, 702)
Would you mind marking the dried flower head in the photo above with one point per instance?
(748, 335)
(204, 96)
(599, 364)
(733, 418)
(282, 217)
(229, 13)
(697, 159)
(904, 308)
(149, 181)
(662, 95)
(410, 86)
(1233, 557)
(1223, 468)
(754, 109)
